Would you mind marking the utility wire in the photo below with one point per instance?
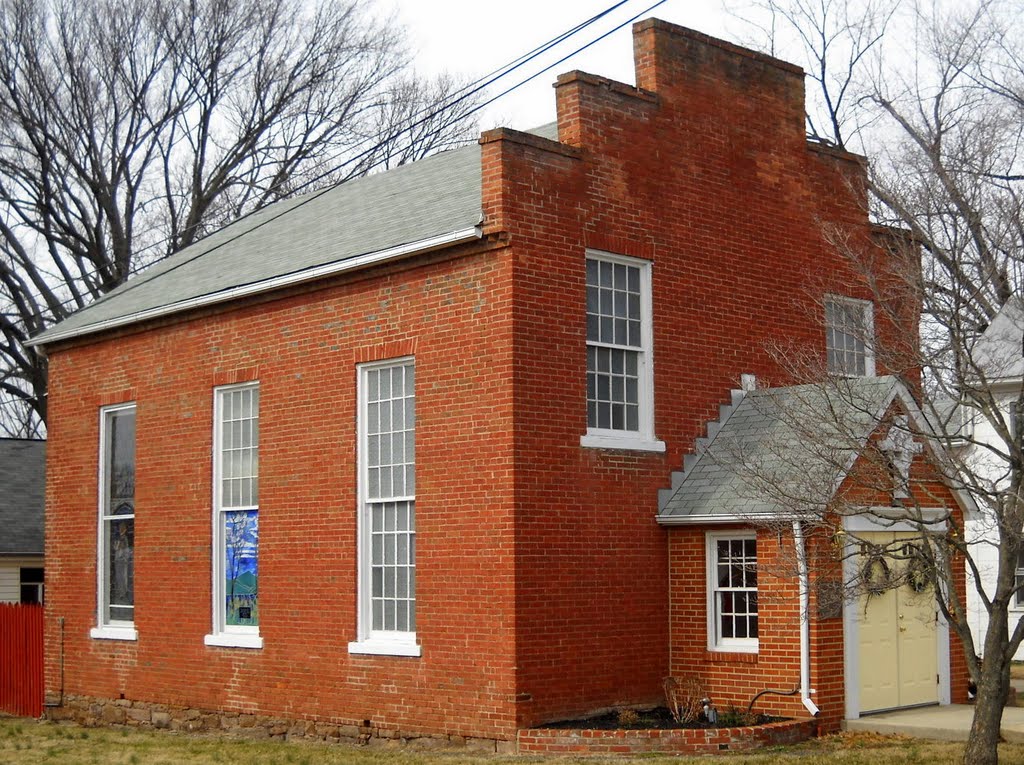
(466, 92)
(423, 116)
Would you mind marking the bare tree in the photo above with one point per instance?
(131, 128)
(840, 43)
(938, 111)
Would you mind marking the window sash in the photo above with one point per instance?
(732, 592)
(387, 490)
(619, 388)
(236, 510)
(116, 530)
(848, 336)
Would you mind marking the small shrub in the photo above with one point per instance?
(628, 718)
(734, 718)
(684, 698)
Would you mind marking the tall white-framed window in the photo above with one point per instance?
(620, 379)
(387, 509)
(849, 336)
(236, 506)
(115, 548)
(732, 591)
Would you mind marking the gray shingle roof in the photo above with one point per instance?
(409, 204)
(998, 351)
(22, 496)
(781, 450)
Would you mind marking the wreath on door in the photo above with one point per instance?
(917, 570)
(875, 575)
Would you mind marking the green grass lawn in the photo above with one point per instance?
(28, 742)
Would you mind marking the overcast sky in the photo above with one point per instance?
(473, 38)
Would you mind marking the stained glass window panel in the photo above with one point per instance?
(241, 573)
(236, 603)
(121, 579)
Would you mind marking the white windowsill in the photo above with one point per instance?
(383, 647)
(108, 632)
(634, 443)
(230, 640)
(734, 648)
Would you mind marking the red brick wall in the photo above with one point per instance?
(710, 178)
(543, 576)
(733, 679)
(454, 317)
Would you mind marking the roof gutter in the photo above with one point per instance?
(716, 519)
(267, 285)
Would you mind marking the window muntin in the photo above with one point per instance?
(116, 548)
(732, 587)
(387, 515)
(620, 390)
(849, 336)
(614, 345)
(236, 516)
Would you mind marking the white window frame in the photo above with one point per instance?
(1018, 575)
(715, 642)
(106, 628)
(226, 635)
(868, 317)
(368, 640)
(641, 439)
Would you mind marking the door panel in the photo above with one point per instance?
(879, 654)
(898, 651)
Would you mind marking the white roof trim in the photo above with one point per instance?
(267, 285)
(920, 425)
(719, 519)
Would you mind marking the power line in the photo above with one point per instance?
(428, 114)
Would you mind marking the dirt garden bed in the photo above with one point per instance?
(657, 731)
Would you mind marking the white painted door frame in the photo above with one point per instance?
(851, 624)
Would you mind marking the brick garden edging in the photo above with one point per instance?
(675, 741)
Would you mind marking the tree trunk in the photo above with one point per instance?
(983, 741)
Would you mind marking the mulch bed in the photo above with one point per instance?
(661, 719)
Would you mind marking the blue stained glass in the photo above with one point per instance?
(241, 550)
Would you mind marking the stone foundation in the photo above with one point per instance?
(92, 712)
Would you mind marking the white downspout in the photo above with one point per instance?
(805, 620)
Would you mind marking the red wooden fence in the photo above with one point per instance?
(21, 659)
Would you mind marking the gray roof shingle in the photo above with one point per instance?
(22, 496)
(998, 352)
(781, 450)
(412, 203)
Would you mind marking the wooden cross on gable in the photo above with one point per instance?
(899, 448)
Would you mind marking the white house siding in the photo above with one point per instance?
(983, 538)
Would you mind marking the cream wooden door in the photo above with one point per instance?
(898, 654)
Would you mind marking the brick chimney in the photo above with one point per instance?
(703, 75)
